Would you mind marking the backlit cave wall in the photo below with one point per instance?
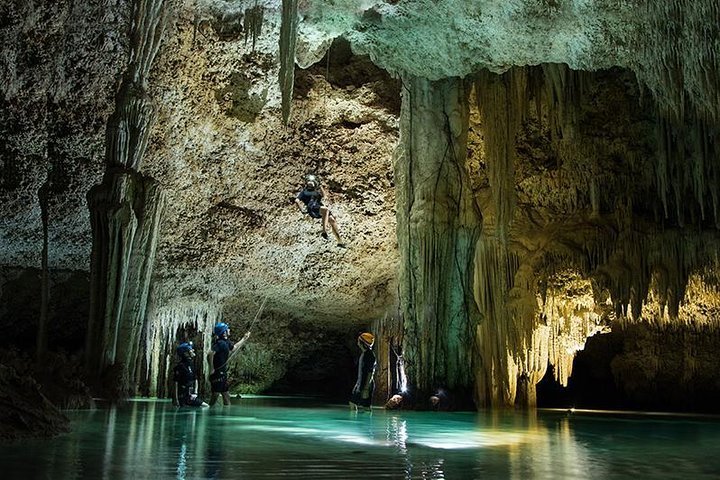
(523, 180)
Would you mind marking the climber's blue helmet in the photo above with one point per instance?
(221, 328)
(183, 348)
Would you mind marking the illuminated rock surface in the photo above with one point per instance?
(591, 153)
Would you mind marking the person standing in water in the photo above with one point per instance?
(222, 351)
(309, 201)
(186, 385)
(361, 397)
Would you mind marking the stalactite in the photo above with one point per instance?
(288, 39)
(571, 315)
(637, 269)
(506, 295)
(507, 322)
(161, 336)
(680, 65)
(438, 226)
(681, 58)
(502, 101)
(688, 166)
(253, 22)
(527, 325)
(125, 210)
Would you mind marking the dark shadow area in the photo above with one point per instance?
(641, 368)
(344, 70)
(591, 385)
(326, 369)
(20, 310)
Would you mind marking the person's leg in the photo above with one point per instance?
(335, 230)
(226, 398)
(325, 213)
(213, 398)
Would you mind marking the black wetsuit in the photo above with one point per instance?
(184, 375)
(366, 374)
(312, 200)
(219, 378)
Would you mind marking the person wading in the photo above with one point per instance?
(222, 352)
(186, 385)
(362, 392)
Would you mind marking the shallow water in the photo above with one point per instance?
(294, 438)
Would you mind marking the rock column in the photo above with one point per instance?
(438, 225)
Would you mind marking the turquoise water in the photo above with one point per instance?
(293, 438)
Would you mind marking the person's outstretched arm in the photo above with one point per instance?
(240, 343)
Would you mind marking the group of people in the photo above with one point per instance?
(310, 201)
(223, 350)
(185, 391)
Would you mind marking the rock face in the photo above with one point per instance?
(583, 195)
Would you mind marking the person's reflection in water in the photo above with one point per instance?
(397, 436)
(214, 458)
(421, 463)
(188, 437)
(183, 427)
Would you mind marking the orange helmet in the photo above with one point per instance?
(367, 338)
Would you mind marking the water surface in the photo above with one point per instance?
(295, 438)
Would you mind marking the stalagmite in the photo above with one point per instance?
(438, 226)
(288, 39)
(125, 213)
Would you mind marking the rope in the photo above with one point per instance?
(252, 324)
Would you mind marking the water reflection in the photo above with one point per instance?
(153, 439)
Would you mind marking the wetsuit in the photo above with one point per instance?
(366, 374)
(219, 378)
(312, 200)
(184, 375)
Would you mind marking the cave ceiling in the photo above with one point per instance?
(229, 166)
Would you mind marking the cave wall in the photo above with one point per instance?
(61, 62)
(585, 191)
(580, 240)
(228, 166)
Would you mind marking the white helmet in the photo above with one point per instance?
(311, 181)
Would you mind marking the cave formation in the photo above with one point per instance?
(518, 182)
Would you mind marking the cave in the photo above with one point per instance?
(527, 198)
